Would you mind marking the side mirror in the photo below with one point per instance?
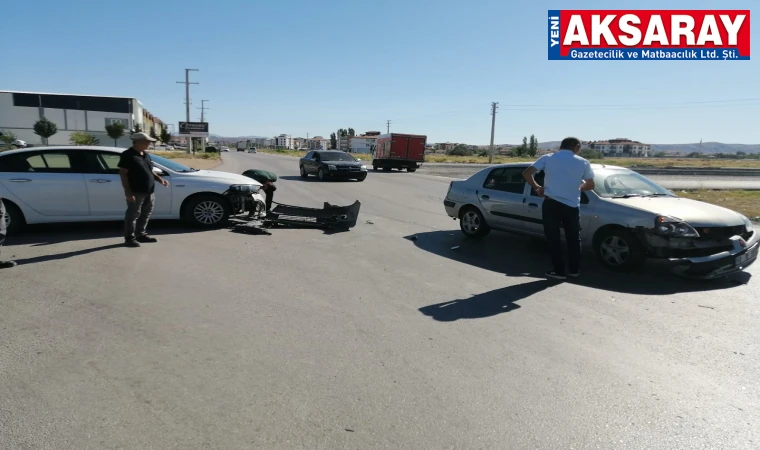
(160, 172)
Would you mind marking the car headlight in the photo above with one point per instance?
(748, 224)
(245, 188)
(364, 167)
(671, 226)
(332, 167)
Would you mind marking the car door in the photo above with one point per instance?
(533, 207)
(314, 163)
(49, 182)
(105, 190)
(306, 161)
(501, 197)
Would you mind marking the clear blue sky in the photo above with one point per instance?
(430, 66)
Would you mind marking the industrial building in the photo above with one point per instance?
(20, 110)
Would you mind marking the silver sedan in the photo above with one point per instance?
(626, 219)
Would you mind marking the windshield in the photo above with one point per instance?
(625, 183)
(171, 165)
(336, 156)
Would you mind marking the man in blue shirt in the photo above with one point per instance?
(565, 175)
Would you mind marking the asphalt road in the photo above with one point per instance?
(363, 339)
(667, 181)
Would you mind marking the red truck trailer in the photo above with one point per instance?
(399, 151)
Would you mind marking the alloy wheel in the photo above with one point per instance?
(614, 250)
(208, 212)
(471, 222)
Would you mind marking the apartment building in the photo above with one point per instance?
(620, 147)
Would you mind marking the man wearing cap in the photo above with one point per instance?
(138, 180)
(3, 264)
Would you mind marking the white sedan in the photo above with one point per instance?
(82, 184)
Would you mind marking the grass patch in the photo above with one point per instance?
(182, 155)
(623, 162)
(745, 202)
(293, 153)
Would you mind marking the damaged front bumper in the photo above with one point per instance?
(246, 199)
(738, 254)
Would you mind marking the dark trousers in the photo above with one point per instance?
(557, 215)
(2, 224)
(137, 215)
(269, 193)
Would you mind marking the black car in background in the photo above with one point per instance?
(326, 164)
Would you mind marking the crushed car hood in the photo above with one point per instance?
(694, 212)
(233, 178)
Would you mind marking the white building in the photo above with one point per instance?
(20, 110)
(362, 144)
(318, 143)
(620, 147)
(283, 141)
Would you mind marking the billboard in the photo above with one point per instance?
(193, 129)
(719, 35)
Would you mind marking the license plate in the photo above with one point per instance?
(750, 255)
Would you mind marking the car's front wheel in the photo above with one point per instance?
(321, 174)
(14, 218)
(303, 172)
(362, 178)
(472, 223)
(620, 250)
(207, 211)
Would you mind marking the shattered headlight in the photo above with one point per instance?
(671, 226)
(747, 224)
(245, 188)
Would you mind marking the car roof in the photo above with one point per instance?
(528, 164)
(63, 147)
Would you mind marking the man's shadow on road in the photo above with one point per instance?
(516, 256)
(53, 234)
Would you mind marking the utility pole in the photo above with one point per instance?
(203, 109)
(494, 106)
(388, 126)
(187, 84)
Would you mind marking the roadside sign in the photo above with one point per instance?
(193, 129)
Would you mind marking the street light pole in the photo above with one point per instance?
(187, 84)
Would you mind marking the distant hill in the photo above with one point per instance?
(705, 147)
(233, 138)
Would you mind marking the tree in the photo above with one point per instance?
(351, 132)
(333, 141)
(44, 129)
(166, 137)
(8, 138)
(460, 150)
(523, 148)
(590, 153)
(342, 132)
(153, 133)
(83, 138)
(115, 131)
(138, 128)
(533, 146)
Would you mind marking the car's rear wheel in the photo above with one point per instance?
(411, 169)
(321, 174)
(620, 250)
(375, 167)
(303, 172)
(472, 223)
(207, 211)
(14, 218)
